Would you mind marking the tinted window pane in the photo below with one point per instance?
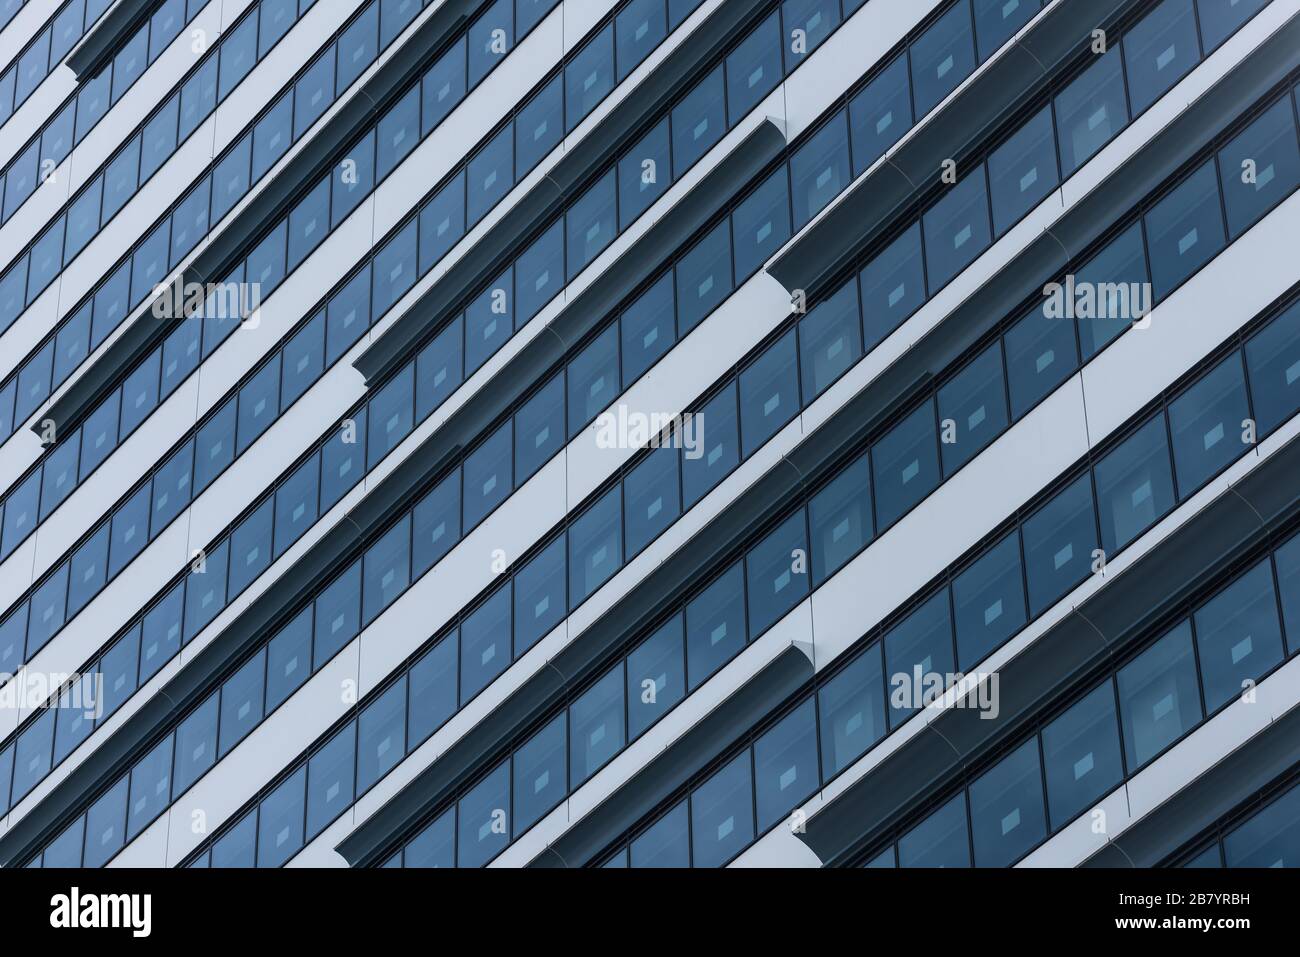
(769, 393)
(714, 451)
(989, 602)
(1208, 423)
(656, 677)
(666, 843)
(596, 731)
(1134, 486)
(722, 815)
(956, 229)
(483, 819)
(1273, 360)
(830, 340)
(754, 68)
(595, 546)
(1260, 167)
(381, 735)
(851, 707)
(776, 572)
(785, 764)
(906, 465)
(1059, 542)
(942, 57)
(893, 286)
(1006, 806)
(715, 625)
(539, 774)
(1158, 698)
(938, 841)
(840, 519)
(1159, 49)
(539, 595)
(1090, 110)
(1081, 750)
(972, 409)
(1238, 638)
(1023, 170)
(485, 643)
(1184, 230)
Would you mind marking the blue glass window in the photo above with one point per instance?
(539, 595)
(195, 744)
(698, 121)
(785, 764)
(893, 286)
(337, 615)
(1158, 697)
(589, 76)
(1060, 539)
(381, 735)
(1023, 170)
(652, 498)
(715, 625)
(483, 819)
(1090, 110)
(1273, 361)
(722, 814)
(1259, 167)
(761, 223)
(1185, 229)
(595, 546)
(387, 569)
(714, 451)
(972, 409)
(840, 518)
(777, 573)
(1081, 753)
(1208, 422)
(769, 393)
(666, 843)
(989, 602)
(596, 728)
(539, 125)
(539, 428)
(956, 229)
(329, 779)
(435, 524)
(656, 677)
(485, 643)
(1238, 637)
(1134, 486)
(703, 278)
(242, 697)
(754, 68)
(852, 711)
(905, 463)
(644, 174)
(1158, 50)
(539, 778)
(940, 840)
(1006, 808)
(280, 821)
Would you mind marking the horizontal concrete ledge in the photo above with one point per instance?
(104, 38)
(1065, 656)
(1230, 783)
(505, 239)
(1052, 46)
(276, 197)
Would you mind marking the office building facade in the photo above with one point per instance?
(649, 433)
